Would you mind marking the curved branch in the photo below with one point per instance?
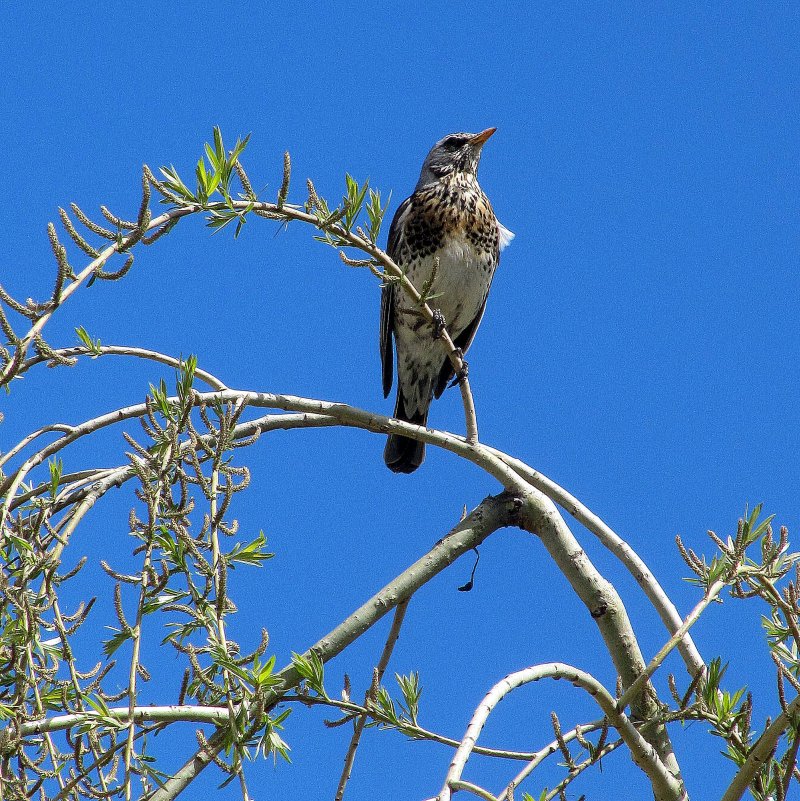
(491, 514)
(122, 350)
(539, 516)
(635, 565)
(25, 441)
(341, 412)
(414, 732)
(105, 350)
(10, 369)
(280, 211)
(665, 786)
(613, 542)
(71, 482)
(104, 478)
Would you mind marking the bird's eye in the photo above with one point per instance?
(453, 143)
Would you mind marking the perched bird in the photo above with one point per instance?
(448, 225)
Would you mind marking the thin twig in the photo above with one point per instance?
(548, 750)
(656, 661)
(124, 350)
(578, 769)
(360, 722)
(760, 752)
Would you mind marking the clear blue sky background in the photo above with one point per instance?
(640, 344)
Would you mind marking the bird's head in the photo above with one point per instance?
(457, 152)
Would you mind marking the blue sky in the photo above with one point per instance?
(639, 346)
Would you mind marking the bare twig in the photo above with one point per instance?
(657, 660)
(360, 722)
(124, 350)
(579, 768)
(548, 750)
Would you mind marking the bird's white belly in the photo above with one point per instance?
(461, 284)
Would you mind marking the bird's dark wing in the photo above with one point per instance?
(396, 227)
(387, 353)
(462, 341)
(387, 302)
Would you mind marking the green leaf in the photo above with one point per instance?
(213, 183)
(56, 468)
(311, 669)
(752, 529)
(412, 691)
(212, 157)
(92, 345)
(159, 395)
(375, 214)
(185, 378)
(202, 175)
(271, 742)
(218, 145)
(237, 150)
(261, 676)
(251, 553)
(176, 185)
(353, 200)
(386, 706)
(98, 704)
(120, 637)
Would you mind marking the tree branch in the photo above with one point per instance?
(141, 714)
(613, 542)
(491, 514)
(360, 722)
(539, 516)
(122, 350)
(761, 752)
(676, 638)
(665, 786)
(342, 413)
(542, 754)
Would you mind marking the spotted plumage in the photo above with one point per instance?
(449, 218)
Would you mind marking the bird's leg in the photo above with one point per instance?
(463, 373)
(439, 323)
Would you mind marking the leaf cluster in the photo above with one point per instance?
(754, 565)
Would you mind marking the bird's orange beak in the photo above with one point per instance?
(480, 138)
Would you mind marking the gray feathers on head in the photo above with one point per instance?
(456, 152)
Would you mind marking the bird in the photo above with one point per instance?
(446, 226)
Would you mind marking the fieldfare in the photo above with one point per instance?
(449, 219)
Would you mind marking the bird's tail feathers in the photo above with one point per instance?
(404, 455)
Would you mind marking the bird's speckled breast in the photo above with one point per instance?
(453, 221)
(452, 207)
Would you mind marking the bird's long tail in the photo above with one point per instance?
(404, 455)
